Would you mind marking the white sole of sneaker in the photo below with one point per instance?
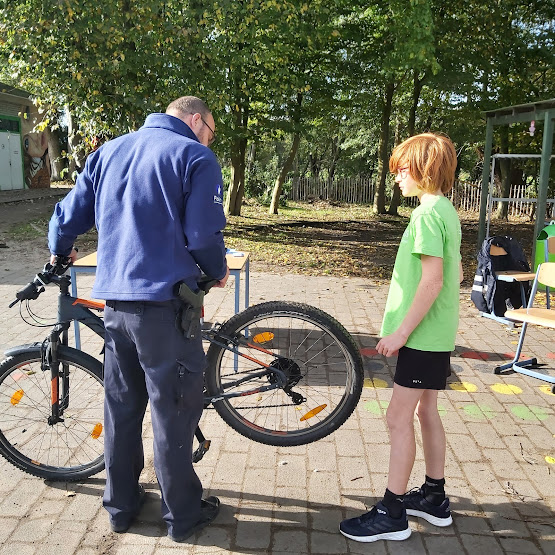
(435, 520)
(401, 535)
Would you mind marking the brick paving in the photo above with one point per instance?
(500, 437)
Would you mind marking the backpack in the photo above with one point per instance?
(489, 294)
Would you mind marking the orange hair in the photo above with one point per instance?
(430, 158)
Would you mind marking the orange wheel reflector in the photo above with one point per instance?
(16, 397)
(97, 430)
(313, 412)
(263, 337)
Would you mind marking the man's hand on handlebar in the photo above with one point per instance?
(223, 281)
(72, 256)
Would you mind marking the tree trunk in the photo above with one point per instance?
(234, 198)
(251, 157)
(379, 197)
(502, 212)
(314, 165)
(57, 162)
(75, 147)
(396, 196)
(278, 185)
(417, 85)
(335, 152)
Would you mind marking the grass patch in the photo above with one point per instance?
(320, 238)
(30, 230)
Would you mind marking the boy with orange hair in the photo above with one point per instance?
(419, 325)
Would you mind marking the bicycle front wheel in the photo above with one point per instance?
(317, 356)
(71, 449)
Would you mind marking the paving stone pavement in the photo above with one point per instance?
(500, 450)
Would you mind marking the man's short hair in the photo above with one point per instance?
(188, 105)
(431, 159)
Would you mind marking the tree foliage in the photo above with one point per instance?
(309, 87)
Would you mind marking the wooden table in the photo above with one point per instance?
(236, 262)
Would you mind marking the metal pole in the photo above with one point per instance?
(485, 181)
(547, 145)
(491, 194)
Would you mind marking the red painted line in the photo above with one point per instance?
(368, 352)
(477, 355)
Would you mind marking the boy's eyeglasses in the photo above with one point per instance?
(403, 172)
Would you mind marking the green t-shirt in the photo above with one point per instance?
(434, 230)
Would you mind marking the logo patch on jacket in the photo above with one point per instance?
(218, 195)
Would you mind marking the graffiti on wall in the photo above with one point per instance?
(36, 162)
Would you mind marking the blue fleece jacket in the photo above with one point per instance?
(155, 196)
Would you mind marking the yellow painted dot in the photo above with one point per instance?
(550, 460)
(463, 386)
(376, 383)
(546, 389)
(505, 389)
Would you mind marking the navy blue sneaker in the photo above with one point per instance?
(376, 525)
(417, 505)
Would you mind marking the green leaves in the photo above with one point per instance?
(114, 62)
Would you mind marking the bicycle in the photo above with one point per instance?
(279, 373)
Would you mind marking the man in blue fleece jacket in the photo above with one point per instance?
(155, 197)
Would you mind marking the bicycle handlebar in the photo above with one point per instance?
(50, 273)
(206, 283)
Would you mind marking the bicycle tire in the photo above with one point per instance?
(321, 359)
(68, 451)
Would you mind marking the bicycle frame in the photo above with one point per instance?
(76, 309)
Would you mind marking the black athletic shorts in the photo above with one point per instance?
(422, 369)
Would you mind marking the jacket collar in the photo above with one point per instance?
(165, 121)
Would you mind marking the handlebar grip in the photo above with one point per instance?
(60, 266)
(206, 283)
(30, 292)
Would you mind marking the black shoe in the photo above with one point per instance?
(123, 526)
(209, 509)
(376, 525)
(417, 505)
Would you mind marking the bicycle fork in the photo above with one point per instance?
(51, 362)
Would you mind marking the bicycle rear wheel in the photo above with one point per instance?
(318, 356)
(69, 450)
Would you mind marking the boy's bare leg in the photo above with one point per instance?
(400, 420)
(433, 434)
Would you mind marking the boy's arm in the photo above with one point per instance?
(461, 273)
(428, 289)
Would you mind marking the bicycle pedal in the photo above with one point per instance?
(201, 450)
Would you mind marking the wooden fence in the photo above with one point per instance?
(465, 195)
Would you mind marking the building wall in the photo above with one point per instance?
(36, 162)
(9, 108)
